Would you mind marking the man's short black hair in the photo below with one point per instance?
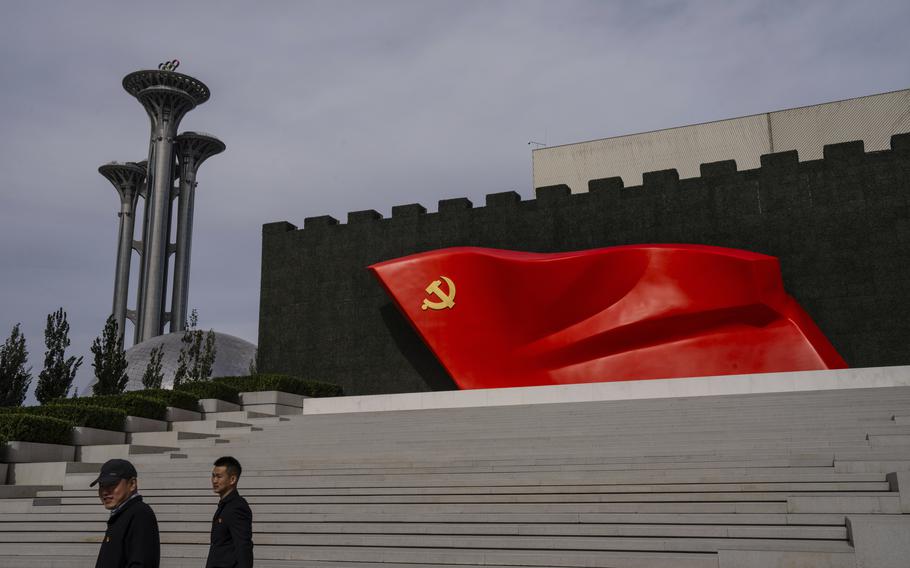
(232, 465)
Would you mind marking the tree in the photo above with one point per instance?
(254, 363)
(152, 377)
(14, 377)
(109, 360)
(55, 379)
(197, 355)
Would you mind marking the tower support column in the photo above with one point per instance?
(157, 236)
(126, 179)
(192, 149)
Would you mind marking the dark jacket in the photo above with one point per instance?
(131, 539)
(232, 534)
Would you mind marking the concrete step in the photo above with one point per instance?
(885, 503)
(209, 405)
(501, 529)
(477, 508)
(247, 416)
(47, 473)
(183, 487)
(481, 542)
(210, 426)
(190, 555)
(41, 515)
(175, 414)
(306, 467)
(402, 499)
(782, 559)
(23, 491)
(756, 479)
(170, 438)
(101, 454)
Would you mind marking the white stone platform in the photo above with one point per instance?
(802, 381)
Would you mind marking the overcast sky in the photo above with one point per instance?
(328, 107)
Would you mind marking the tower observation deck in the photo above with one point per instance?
(166, 96)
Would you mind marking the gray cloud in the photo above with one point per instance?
(327, 107)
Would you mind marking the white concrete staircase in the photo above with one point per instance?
(810, 479)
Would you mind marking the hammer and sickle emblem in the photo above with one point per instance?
(445, 300)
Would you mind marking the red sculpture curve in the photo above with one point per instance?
(498, 318)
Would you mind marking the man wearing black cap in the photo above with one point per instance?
(232, 526)
(131, 539)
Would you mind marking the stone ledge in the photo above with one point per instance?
(27, 452)
(274, 409)
(85, 436)
(138, 424)
(271, 397)
(181, 415)
(799, 381)
(40, 473)
(207, 405)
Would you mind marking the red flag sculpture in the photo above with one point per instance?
(498, 318)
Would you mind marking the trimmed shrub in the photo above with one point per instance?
(175, 398)
(131, 403)
(211, 389)
(283, 383)
(76, 414)
(20, 427)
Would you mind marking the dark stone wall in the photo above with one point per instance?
(840, 226)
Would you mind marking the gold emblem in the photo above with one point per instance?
(445, 300)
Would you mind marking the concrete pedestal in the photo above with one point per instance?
(27, 452)
(85, 436)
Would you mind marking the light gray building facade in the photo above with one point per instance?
(872, 119)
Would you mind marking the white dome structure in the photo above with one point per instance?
(232, 357)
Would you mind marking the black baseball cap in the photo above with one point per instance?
(113, 471)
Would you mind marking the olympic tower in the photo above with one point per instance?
(167, 97)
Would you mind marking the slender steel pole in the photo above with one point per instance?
(192, 150)
(126, 179)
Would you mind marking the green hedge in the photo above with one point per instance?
(20, 427)
(210, 389)
(283, 383)
(175, 398)
(133, 404)
(76, 414)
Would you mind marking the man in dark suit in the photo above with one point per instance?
(232, 526)
(131, 539)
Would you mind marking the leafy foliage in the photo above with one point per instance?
(197, 356)
(210, 389)
(283, 383)
(254, 363)
(55, 379)
(175, 398)
(153, 376)
(76, 414)
(109, 360)
(24, 427)
(133, 403)
(14, 377)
